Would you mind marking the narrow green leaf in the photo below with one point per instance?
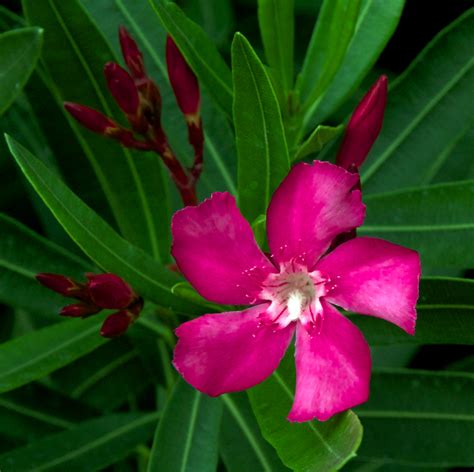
(445, 316)
(437, 221)
(23, 254)
(375, 25)
(200, 53)
(242, 446)
(310, 446)
(96, 238)
(41, 352)
(419, 418)
(194, 418)
(133, 183)
(317, 140)
(263, 159)
(276, 20)
(416, 130)
(19, 52)
(93, 445)
(328, 45)
(31, 412)
(97, 379)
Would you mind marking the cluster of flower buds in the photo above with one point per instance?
(139, 98)
(101, 291)
(364, 127)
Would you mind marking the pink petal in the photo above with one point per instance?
(375, 277)
(215, 250)
(310, 208)
(228, 352)
(332, 368)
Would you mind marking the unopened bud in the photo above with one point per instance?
(364, 126)
(59, 283)
(122, 87)
(90, 118)
(183, 81)
(132, 55)
(110, 291)
(116, 324)
(79, 310)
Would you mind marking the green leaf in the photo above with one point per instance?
(133, 183)
(32, 412)
(427, 108)
(331, 37)
(97, 379)
(437, 221)
(242, 446)
(96, 238)
(23, 254)
(445, 316)
(187, 436)
(41, 352)
(262, 152)
(276, 20)
(310, 446)
(19, 53)
(219, 150)
(200, 53)
(93, 445)
(375, 25)
(419, 418)
(317, 140)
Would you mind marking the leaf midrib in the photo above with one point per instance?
(192, 427)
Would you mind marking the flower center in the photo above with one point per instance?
(294, 294)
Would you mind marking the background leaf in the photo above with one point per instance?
(437, 221)
(263, 159)
(427, 420)
(19, 53)
(276, 20)
(417, 131)
(92, 445)
(194, 418)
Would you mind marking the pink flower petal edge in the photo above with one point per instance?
(374, 277)
(216, 251)
(315, 203)
(332, 369)
(229, 352)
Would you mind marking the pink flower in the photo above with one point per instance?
(293, 290)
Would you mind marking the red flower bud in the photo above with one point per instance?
(90, 118)
(116, 324)
(364, 126)
(183, 81)
(110, 291)
(122, 87)
(79, 310)
(132, 55)
(59, 283)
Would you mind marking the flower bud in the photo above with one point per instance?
(364, 126)
(79, 310)
(110, 291)
(90, 118)
(116, 324)
(132, 55)
(59, 283)
(122, 87)
(183, 81)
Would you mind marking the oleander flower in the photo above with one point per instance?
(295, 289)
